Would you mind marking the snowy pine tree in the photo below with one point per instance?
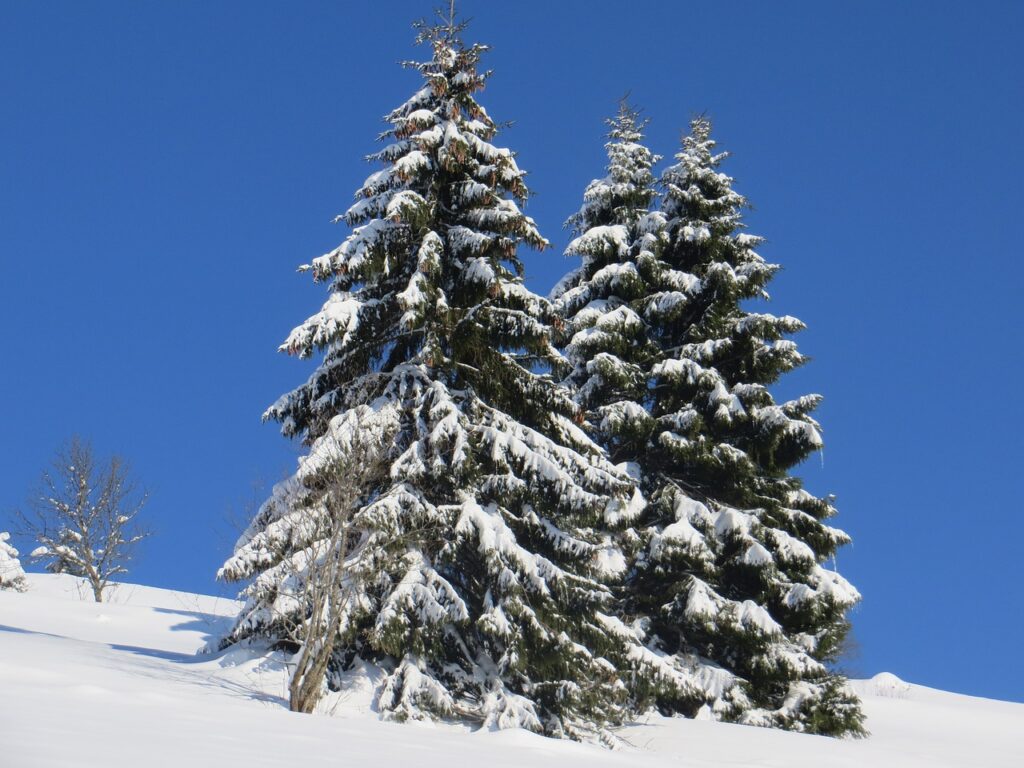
(734, 566)
(609, 306)
(478, 557)
(11, 574)
(728, 586)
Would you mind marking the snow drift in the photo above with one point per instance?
(122, 684)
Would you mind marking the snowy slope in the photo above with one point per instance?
(119, 684)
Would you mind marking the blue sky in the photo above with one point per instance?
(166, 166)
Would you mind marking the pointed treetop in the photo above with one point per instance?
(699, 145)
(626, 125)
(700, 128)
(624, 195)
(445, 30)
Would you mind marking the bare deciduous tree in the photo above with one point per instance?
(326, 593)
(329, 575)
(83, 515)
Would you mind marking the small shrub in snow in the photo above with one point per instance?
(11, 574)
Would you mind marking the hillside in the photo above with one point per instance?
(120, 684)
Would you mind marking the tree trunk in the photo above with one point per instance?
(97, 589)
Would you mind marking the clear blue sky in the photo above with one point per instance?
(164, 167)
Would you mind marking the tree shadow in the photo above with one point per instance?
(179, 671)
(209, 625)
(20, 631)
(178, 667)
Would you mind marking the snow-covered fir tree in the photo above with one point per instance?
(728, 584)
(478, 569)
(734, 568)
(608, 305)
(11, 574)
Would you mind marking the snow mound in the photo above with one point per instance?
(121, 684)
(887, 684)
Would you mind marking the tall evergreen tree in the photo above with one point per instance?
(610, 306)
(728, 582)
(477, 569)
(735, 541)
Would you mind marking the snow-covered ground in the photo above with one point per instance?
(120, 684)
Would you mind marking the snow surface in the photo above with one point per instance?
(121, 684)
